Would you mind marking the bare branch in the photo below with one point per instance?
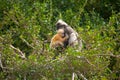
(118, 56)
(1, 65)
(82, 57)
(89, 62)
(26, 42)
(5, 69)
(80, 74)
(1, 38)
(73, 76)
(83, 76)
(21, 54)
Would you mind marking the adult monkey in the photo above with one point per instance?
(73, 35)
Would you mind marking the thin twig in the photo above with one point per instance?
(1, 65)
(80, 74)
(26, 42)
(83, 76)
(81, 9)
(89, 62)
(1, 38)
(118, 56)
(82, 57)
(7, 68)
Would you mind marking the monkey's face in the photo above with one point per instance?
(61, 32)
(61, 24)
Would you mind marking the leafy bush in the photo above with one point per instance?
(26, 27)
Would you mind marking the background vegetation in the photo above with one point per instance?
(26, 27)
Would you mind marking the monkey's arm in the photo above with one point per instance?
(65, 38)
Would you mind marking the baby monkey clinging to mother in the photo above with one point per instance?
(69, 36)
(59, 39)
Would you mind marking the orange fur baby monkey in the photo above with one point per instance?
(58, 39)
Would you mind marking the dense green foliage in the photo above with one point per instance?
(26, 27)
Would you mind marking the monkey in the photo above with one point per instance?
(63, 25)
(72, 34)
(73, 40)
(58, 39)
(68, 30)
(58, 42)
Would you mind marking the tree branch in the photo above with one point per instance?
(80, 74)
(1, 65)
(21, 54)
(118, 56)
(73, 76)
(82, 57)
(26, 42)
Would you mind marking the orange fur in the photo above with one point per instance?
(58, 39)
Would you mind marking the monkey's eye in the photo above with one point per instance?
(58, 24)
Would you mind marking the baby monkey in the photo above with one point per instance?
(59, 39)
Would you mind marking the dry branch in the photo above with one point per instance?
(82, 57)
(1, 65)
(117, 56)
(26, 42)
(80, 74)
(21, 54)
(73, 76)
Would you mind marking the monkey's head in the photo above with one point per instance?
(61, 32)
(61, 24)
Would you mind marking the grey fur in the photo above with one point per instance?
(73, 35)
